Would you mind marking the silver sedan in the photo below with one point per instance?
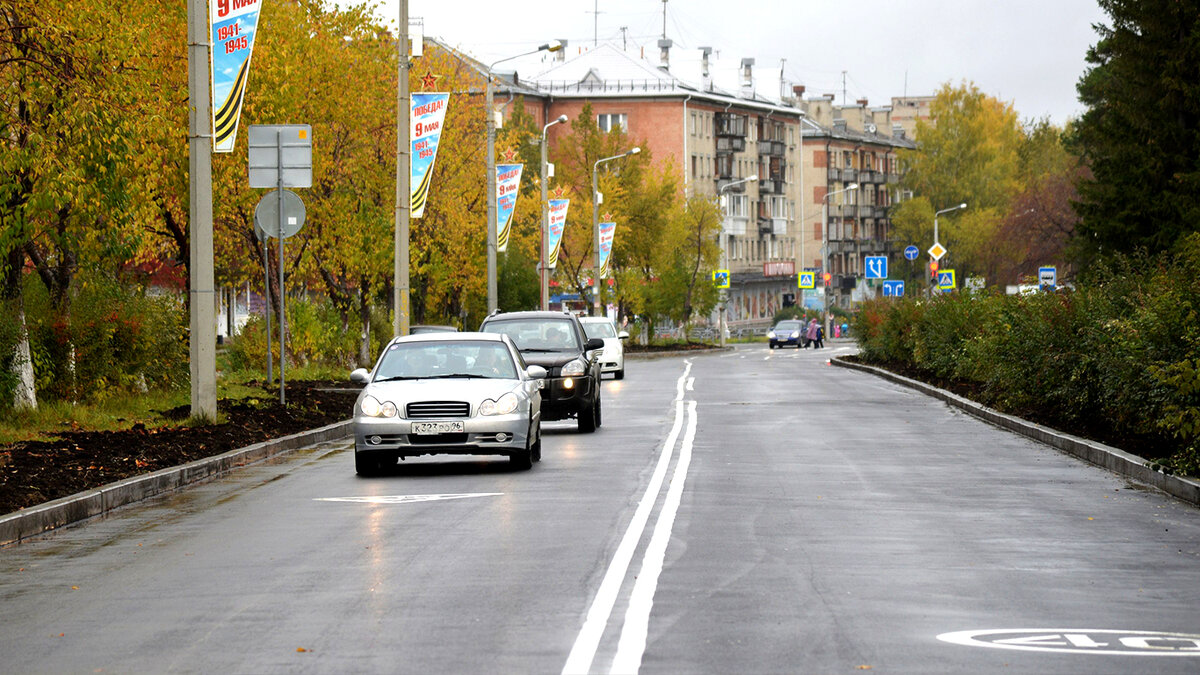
(447, 393)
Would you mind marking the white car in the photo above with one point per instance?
(612, 358)
(447, 393)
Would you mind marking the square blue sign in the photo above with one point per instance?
(876, 266)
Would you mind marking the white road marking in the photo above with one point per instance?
(405, 499)
(1080, 641)
(691, 384)
(632, 644)
(583, 652)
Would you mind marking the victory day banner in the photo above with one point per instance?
(508, 181)
(428, 113)
(558, 219)
(234, 23)
(607, 230)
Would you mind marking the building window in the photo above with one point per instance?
(737, 205)
(608, 121)
(693, 124)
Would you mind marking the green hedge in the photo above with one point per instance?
(1118, 359)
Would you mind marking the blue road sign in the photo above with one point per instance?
(1048, 277)
(911, 252)
(721, 278)
(808, 280)
(876, 266)
(946, 280)
(893, 288)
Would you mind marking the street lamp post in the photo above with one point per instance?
(724, 247)
(490, 114)
(825, 245)
(596, 197)
(935, 221)
(545, 260)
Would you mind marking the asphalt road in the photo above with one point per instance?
(752, 511)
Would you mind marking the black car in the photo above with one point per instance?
(790, 332)
(556, 341)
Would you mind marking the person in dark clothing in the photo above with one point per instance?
(819, 342)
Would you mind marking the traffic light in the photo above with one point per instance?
(828, 278)
(933, 270)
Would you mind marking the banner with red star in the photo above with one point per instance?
(428, 114)
(558, 220)
(607, 231)
(508, 183)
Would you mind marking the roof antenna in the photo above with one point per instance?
(664, 35)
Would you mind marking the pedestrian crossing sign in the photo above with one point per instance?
(808, 280)
(721, 278)
(946, 280)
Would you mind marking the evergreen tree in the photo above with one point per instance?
(1141, 133)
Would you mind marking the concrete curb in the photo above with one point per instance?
(1108, 457)
(647, 356)
(52, 515)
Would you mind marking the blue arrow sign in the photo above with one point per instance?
(911, 252)
(876, 266)
(893, 288)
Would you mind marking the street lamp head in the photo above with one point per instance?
(561, 119)
(852, 186)
(962, 205)
(551, 46)
(634, 151)
(751, 178)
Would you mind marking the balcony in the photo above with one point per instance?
(879, 177)
(765, 226)
(731, 144)
(771, 187)
(772, 148)
(722, 181)
(834, 175)
(730, 125)
(849, 175)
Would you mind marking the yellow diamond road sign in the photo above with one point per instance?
(937, 251)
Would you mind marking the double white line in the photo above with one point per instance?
(637, 618)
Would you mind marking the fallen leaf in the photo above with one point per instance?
(864, 667)
(301, 649)
(74, 588)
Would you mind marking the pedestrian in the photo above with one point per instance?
(820, 336)
(845, 329)
(811, 333)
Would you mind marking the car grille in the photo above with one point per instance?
(438, 439)
(427, 410)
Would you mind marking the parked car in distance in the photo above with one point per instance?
(447, 393)
(422, 329)
(788, 332)
(612, 357)
(557, 342)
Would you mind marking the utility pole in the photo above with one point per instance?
(403, 178)
(202, 342)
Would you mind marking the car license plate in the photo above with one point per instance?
(428, 428)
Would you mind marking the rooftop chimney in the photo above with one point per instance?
(561, 54)
(664, 54)
(798, 91)
(705, 77)
(862, 102)
(747, 78)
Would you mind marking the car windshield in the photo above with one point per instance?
(457, 359)
(788, 325)
(538, 334)
(599, 329)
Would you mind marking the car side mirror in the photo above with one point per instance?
(360, 376)
(536, 372)
(594, 343)
(623, 335)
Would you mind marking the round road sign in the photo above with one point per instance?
(911, 252)
(266, 214)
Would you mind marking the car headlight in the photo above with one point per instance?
(371, 407)
(501, 406)
(575, 367)
(795, 333)
(771, 334)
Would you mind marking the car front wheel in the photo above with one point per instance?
(590, 419)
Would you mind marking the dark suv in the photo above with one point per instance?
(556, 342)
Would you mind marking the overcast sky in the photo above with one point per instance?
(1027, 52)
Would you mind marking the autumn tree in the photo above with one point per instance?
(682, 261)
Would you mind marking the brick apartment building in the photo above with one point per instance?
(800, 149)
